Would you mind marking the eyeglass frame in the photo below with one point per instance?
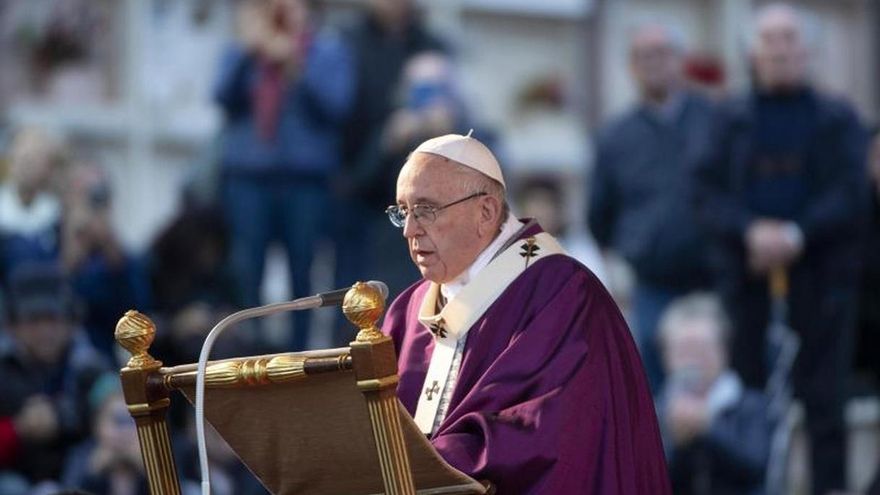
(433, 210)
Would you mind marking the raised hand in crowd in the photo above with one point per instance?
(274, 30)
(772, 243)
(688, 417)
(86, 225)
(430, 106)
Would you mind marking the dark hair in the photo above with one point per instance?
(539, 183)
(38, 290)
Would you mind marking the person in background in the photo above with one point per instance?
(783, 189)
(30, 206)
(110, 462)
(716, 432)
(542, 198)
(47, 367)
(286, 88)
(385, 37)
(428, 104)
(639, 204)
(105, 278)
(192, 289)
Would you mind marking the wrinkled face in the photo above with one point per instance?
(43, 338)
(654, 61)
(779, 54)
(694, 351)
(445, 248)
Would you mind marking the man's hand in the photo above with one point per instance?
(252, 23)
(688, 418)
(771, 243)
(38, 420)
(261, 35)
(402, 127)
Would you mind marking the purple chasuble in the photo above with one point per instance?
(551, 396)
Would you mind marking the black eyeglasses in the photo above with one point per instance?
(424, 214)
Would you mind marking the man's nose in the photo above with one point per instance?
(411, 227)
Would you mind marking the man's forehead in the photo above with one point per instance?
(779, 19)
(651, 37)
(426, 177)
(424, 167)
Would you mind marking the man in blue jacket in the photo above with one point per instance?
(638, 204)
(784, 189)
(286, 88)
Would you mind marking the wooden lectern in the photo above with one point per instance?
(319, 422)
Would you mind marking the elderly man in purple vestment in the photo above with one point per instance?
(513, 358)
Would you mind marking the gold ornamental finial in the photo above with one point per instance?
(135, 332)
(363, 306)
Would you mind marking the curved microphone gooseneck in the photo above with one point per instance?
(332, 298)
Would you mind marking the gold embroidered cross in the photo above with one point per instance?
(433, 389)
(529, 250)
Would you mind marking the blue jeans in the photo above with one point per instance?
(649, 303)
(263, 210)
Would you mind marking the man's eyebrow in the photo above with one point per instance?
(421, 200)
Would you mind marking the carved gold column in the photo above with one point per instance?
(375, 367)
(147, 402)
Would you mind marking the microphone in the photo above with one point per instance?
(331, 298)
(335, 297)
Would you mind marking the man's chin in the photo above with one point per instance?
(430, 275)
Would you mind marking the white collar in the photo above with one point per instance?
(41, 214)
(511, 226)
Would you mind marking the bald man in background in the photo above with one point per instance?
(513, 358)
(784, 190)
(639, 206)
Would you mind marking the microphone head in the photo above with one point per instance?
(379, 286)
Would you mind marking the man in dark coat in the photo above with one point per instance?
(638, 205)
(784, 190)
(384, 38)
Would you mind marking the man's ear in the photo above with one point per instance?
(490, 211)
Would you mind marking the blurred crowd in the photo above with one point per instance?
(706, 196)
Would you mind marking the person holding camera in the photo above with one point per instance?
(286, 87)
